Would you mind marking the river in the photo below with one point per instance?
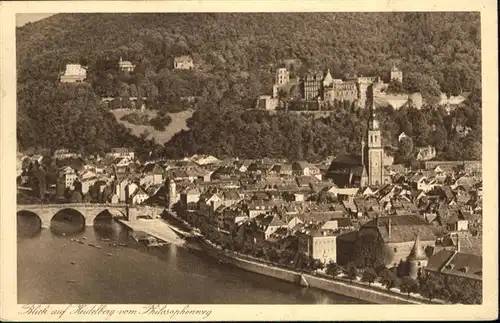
(54, 269)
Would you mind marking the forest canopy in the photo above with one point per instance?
(235, 56)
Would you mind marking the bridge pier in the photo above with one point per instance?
(131, 213)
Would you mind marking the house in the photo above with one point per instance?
(190, 195)
(320, 244)
(230, 197)
(204, 159)
(460, 269)
(230, 216)
(151, 174)
(138, 196)
(458, 221)
(266, 102)
(125, 66)
(267, 224)
(302, 168)
(121, 153)
(68, 176)
(293, 221)
(307, 182)
(425, 153)
(87, 179)
(74, 73)
(184, 62)
(347, 192)
(64, 153)
(120, 188)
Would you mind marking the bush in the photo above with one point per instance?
(136, 118)
(333, 269)
(317, 264)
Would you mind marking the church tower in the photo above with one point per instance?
(375, 151)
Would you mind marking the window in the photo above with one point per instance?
(395, 249)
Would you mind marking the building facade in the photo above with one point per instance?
(282, 76)
(183, 63)
(318, 244)
(125, 66)
(74, 73)
(312, 86)
(396, 74)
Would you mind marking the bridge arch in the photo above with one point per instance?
(104, 225)
(67, 220)
(29, 224)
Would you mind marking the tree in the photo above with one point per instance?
(270, 253)
(389, 279)
(425, 84)
(405, 149)
(333, 269)
(409, 285)
(317, 264)
(395, 87)
(352, 272)
(301, 261)
(369, 276)
(430, 287)
(76, 197)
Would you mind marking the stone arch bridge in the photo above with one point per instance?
(46, 212)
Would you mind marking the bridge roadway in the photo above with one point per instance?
(89, 211)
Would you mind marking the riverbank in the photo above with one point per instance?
(354, 289)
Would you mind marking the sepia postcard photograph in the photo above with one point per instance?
(211, 160)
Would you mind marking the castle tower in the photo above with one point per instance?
(328, 79)
(282, 76)
(375, 151)
(172, 193)
(417, 259)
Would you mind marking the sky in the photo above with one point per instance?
(24, 18)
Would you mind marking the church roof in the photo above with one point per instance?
(417, 252)
(346, 159)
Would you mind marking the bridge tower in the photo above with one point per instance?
(172, 193)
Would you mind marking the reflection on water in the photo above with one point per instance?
(28, 225)
(67, 222)
(108, 267)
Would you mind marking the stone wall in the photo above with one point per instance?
(353, 290)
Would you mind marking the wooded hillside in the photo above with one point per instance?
(235, 56)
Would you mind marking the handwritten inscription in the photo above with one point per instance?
(108, 311)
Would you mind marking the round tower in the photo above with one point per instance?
(417, 259)
(172, 194)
